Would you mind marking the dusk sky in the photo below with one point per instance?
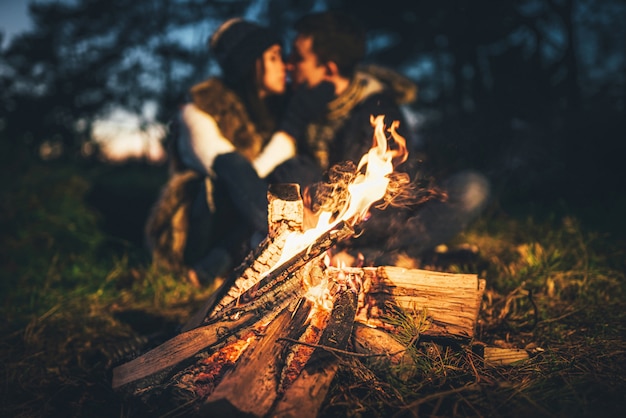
(120, 133)
(13, 18)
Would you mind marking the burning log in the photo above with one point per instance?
(267, 342)
(304, 372)
(306, 393)
(285, 215)
(250, 388)
(254, 315)
(236, 309)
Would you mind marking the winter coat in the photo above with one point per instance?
(346, 132)
(167, 229)
(225, 106)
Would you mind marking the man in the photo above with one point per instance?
(328, 48)
(327, 51)
(333, 96)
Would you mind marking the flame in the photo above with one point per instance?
(368, 187)
(320, 296)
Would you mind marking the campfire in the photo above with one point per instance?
(267, 342)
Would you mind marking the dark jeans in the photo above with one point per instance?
(221, 239)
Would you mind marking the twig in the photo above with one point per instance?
(417, 403)
(338, 350)
(558, 318)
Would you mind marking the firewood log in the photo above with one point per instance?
(254, 388)
(285, 215)
(450, 302)
(305, 396)
(250, 389)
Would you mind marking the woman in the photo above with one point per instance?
(222, 149)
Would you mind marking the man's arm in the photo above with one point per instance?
(279, 149)
(307, 104)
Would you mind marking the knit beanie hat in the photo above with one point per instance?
(238, 43)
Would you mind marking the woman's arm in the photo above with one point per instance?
(200, 139)
(279, 149)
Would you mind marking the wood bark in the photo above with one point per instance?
(250, 389)
(285, 215)
(305, 396)
(383, 349)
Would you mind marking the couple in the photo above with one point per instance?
(245, 130)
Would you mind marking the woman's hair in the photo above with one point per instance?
(265, 112)
(238, 45)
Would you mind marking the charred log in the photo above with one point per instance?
(281, 375)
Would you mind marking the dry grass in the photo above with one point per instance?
(555, 289)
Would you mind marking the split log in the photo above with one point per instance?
(305, 396)
(285, 215)
(450, 302)
(155, 363)
(250, 389)
(496, 356)
(256, 314)
(269, 294)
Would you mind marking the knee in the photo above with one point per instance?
(471, 190)
(230, 161)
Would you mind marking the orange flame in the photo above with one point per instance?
(368, 187)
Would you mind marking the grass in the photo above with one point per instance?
(77, 301)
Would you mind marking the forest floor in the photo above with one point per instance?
(79, 296)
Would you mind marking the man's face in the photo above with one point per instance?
(303, 64)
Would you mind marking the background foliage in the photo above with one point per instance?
(533, 90)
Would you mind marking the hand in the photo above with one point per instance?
(305, 106)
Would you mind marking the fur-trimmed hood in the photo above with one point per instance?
(230, 114)
(368, 81)
(404, 89)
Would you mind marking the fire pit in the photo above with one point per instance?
(267, 342)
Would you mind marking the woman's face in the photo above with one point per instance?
(272, 72)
